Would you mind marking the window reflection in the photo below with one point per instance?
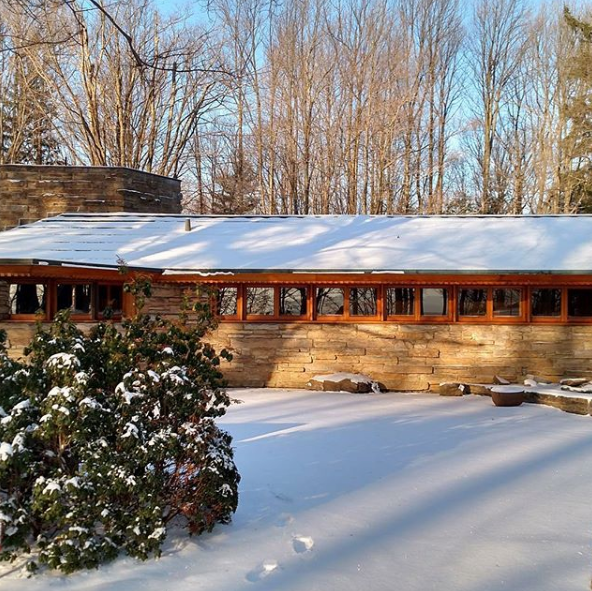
(293, 301)
(434, 302)
(27, 298)
(75, 297)
(330, 301)
(400, 301)
(260, 301)
(506, 302)
(472, 302)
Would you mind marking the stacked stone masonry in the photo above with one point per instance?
(29, 193)
(403, 357)
(4, 299)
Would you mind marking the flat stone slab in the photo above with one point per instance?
(345, 382)
(502, 381)
(481, 389)
(572, 404)
(583, 389)
(574, 381)
(453, 389)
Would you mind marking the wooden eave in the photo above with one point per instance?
(70, 272)
(34, 270)
(415, 278)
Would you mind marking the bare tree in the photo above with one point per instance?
(496, 54)
(111, 110)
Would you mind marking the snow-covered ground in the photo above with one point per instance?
(393, 492)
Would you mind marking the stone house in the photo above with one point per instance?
(411, 300)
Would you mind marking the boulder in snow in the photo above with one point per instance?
(480, 389)
(345, 382)
(453, 389)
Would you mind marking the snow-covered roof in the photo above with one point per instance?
(404, 244)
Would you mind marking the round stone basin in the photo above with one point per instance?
(507, 395)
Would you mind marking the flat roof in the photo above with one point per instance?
(332, 243)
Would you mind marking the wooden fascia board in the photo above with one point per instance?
(71, 273)
(555, 279)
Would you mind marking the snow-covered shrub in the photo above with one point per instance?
(107, 437)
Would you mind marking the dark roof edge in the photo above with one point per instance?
(83, 166)
(72, 265)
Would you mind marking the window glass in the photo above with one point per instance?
(506, 302)
(260, 301)
(472, 302)
(227, 301)
(330, 301)
(27, 298)
(293, 301)
(109, 299)
(362, 301)
(75, 297)
(400, 301)
(116, 298)
(545, 302)
(579, 302)
(434, 302)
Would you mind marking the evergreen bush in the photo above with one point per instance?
(107, 437)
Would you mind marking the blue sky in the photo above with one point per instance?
(172, 5)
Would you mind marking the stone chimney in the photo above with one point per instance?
(31, 192)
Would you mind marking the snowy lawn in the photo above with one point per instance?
(398, 492)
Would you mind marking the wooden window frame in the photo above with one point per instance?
(91, 316)
(346, 317)
(482, 319)
(294, 317)
(51, 300)
(330, 318)
(31, 317)
(521, 318)
(95, 299)
(276, 317)
(561, 319)
(575, 319)
(437, 318)
(261, 317)
(400, 318)
(452, 317)
(489, 317)
(214, 303)
(358, 318)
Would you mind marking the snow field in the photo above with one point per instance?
(383, 492)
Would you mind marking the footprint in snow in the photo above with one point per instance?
(281, 497)
(284, 519)
(262, 571)
(302, 544)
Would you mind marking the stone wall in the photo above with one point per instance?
(20, 334)
(30, 192)
(403, 357)
(4, 299)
